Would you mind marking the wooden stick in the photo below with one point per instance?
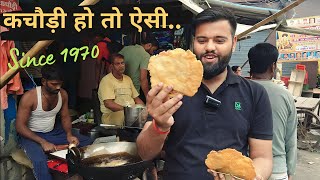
(33, 52)
(243, 8)
(311, 32)
(270, 18)
(265, 40)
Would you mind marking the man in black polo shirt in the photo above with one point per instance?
(187, 128)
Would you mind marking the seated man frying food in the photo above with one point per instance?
(36, 121)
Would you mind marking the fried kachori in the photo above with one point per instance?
(231, 161)
(176, 67)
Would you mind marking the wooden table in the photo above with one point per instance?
(307, 103)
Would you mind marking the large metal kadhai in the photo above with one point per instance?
(84, 163)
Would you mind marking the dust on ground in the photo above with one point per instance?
(308, 166)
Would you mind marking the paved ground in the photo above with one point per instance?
(308, 166)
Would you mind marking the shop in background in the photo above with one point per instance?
(301, 48)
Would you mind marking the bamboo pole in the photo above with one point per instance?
(243, 8)
(40, 45)
(31, 53)
(270, 18)
(265, 40)
(299, 30)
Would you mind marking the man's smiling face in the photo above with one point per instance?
(213, 46)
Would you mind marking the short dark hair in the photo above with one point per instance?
(114, 56)
(284, 35)
(51, 72)
(262, 56)
(212, 15)
(150, 39)
(234, 68)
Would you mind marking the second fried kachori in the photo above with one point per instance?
(231, 161)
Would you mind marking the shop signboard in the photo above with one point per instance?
(9, 6)
(299, 47)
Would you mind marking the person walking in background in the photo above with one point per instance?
(263, 59)
(137, 58)
(237, 70)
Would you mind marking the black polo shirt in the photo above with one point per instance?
(245, 112)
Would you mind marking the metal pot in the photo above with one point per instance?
(135, 116)
(127, 171)
(93, 134)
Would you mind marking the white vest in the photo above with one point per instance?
(43, 121)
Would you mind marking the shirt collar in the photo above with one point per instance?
(231, 77)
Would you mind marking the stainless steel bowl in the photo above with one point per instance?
(93, 134)
(135, 116)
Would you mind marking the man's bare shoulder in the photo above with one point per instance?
(63, 93)
(29, 97)
(31, 93)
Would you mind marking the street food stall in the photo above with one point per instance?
(82, 161)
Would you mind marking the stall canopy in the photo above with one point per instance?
(179, 13)
(247, 12)
(248, 16)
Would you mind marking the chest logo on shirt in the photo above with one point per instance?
(237, 106)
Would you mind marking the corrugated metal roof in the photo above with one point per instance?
(240, 54)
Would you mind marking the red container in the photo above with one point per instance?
(58, 165)
(303, 67)
(285, 79)
(300, 67)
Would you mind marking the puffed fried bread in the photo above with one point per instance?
(176, 67)
(231, 161)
